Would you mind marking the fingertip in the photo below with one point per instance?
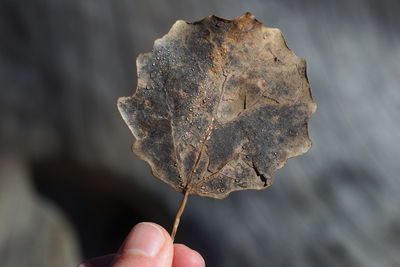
(144, 239)
(187, 257)
(148, 244)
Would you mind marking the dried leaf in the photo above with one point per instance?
(220, 105)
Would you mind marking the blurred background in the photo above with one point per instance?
(71, 189)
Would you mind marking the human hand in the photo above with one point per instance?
(148, 244)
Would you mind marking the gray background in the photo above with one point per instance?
(70, 188)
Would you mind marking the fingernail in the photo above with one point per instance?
(145, 239)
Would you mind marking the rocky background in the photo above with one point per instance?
(71, 189)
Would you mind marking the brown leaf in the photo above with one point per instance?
(220, 106)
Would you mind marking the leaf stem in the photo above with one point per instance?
(179, 214)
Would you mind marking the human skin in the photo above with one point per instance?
(149, 244)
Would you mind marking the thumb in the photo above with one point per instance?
(147, 244)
